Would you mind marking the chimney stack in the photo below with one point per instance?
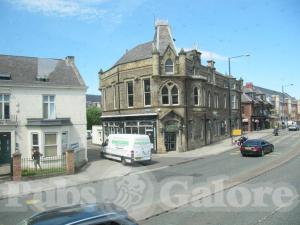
(211, 64)
(70, 60)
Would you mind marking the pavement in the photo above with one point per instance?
(101, 169)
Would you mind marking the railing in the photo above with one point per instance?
(48, 166)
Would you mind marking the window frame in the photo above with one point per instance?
(49, 102)
(130, 95)
(196, 97)
(44, 143)
(3, 104)
(115, 96)
(145, 93)
(171, 95)
(169, 66)
(165, 95)
(38, 139)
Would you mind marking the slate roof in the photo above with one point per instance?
(162, 39)
(142, 51)
(246, 98)
(93, 98)
(269, 92)
(25, 70)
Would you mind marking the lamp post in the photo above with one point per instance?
(283, 106)
(229, 89)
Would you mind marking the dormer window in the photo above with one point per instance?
(169, 66)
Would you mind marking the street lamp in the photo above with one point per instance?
(283, 98)
(229, 89)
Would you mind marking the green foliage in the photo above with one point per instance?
(93, 116)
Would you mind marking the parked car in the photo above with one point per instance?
(128, 148)
(293, 127)
(256, 147)
(100, 214)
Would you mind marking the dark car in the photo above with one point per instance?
(97, 214)
(256, 147)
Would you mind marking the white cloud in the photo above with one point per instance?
(213, 56)
(112, 10)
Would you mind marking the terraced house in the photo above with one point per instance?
(171, 96)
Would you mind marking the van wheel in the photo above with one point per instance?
(123, 161)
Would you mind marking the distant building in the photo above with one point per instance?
(93, 100)
(175, 99)
(42, 106)
(256, 109)
(284, 109)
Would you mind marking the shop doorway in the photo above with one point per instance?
(170, 141)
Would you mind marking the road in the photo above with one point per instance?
(172, 193)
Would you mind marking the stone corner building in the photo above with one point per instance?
(180, 103)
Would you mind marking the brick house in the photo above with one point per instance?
(256, 109)
(170, 96)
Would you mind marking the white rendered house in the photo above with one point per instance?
(42, 105)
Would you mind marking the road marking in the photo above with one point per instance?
(35, 204)
(32, 202)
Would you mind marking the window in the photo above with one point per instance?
(4, 107)
(49, 107)
(174, 94)
(64, 141)
(196, 96)
(209, 100)
(225, 101)
(233, 102)
(170, 94)
(165, 95)
(35, 141)
(130, 93)
(147, 92)
(115, 96)
(50, 146)
(169, 67)
(216, 101)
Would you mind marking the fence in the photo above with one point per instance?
(49, 166)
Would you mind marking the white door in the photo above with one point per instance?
(64, 141)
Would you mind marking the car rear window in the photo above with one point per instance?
(252, 143)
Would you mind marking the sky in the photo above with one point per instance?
(98, 33)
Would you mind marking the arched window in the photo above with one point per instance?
(165, 95)
(174, 94)
(169, 66)
(196, 96)
(170, 94)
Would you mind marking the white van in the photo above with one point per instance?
(128, 148)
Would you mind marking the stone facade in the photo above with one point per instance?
(179, 102)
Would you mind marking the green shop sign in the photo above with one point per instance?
(171, 127)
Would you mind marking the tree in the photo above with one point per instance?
(93, 116)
